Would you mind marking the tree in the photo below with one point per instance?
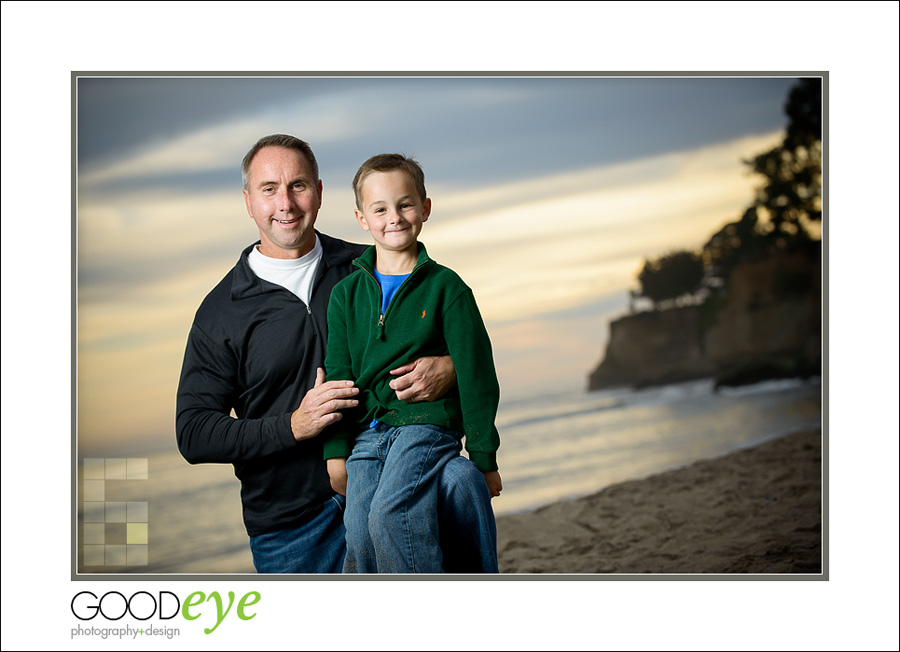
(791, 195)
(732, 243)
(787, 204)
(674, 276)
(789, 201)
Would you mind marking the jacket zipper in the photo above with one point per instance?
(381, 293)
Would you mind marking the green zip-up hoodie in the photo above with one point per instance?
(433, 313)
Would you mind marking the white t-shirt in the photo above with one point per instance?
(294, 274)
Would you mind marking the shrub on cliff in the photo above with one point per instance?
(675, 276)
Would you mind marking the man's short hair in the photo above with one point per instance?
(388, 163)
(279, 140)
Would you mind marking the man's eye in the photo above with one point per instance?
(299, 186)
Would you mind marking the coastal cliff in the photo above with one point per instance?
(767, 324)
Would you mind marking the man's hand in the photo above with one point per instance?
(337, 471)
(495, 485)
(321, 406)
(426, 379)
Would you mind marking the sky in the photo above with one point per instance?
(548, 193)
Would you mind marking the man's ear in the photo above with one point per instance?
(319, 188)
(361, 219)
(247, 202)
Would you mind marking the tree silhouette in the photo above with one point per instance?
(787, 203)
(673, 276)
(733, 242)
(791, 195)
(790, 199)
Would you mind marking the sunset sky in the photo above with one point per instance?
(548, 194)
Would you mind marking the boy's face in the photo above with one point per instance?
(392, 210)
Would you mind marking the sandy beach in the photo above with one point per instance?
(756, 510)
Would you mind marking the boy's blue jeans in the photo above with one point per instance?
(467, 527)
(395, 494)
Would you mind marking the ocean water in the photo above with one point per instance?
(552, 448)
(562, 447)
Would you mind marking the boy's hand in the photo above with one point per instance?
(495, 485)
(337, 471)
(426, 379)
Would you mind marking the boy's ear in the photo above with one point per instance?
(361, 219)
(426, 209)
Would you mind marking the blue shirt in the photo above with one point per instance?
(389, 283)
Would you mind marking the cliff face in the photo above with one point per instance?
(767, 325)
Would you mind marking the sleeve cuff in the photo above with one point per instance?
(484, 461)
(336, 446)
(285, 432)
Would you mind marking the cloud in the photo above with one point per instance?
(564, 240)
(216, 148)
(348, 114)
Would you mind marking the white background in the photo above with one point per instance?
(856, 43)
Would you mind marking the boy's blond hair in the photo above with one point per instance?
(388, 163)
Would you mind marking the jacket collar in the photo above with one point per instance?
(367, 259)
(247, 284)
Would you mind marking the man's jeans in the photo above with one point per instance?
(395, 493)
(316, 546)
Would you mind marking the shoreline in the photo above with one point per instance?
(753, 511)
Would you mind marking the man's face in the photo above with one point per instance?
(283, 199)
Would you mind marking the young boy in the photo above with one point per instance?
(399, 306)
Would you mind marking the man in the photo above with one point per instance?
(257, 347)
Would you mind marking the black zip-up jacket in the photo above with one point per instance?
(254, 347)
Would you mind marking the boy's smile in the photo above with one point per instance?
(392, 211)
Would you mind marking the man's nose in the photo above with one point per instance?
(284, 200)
